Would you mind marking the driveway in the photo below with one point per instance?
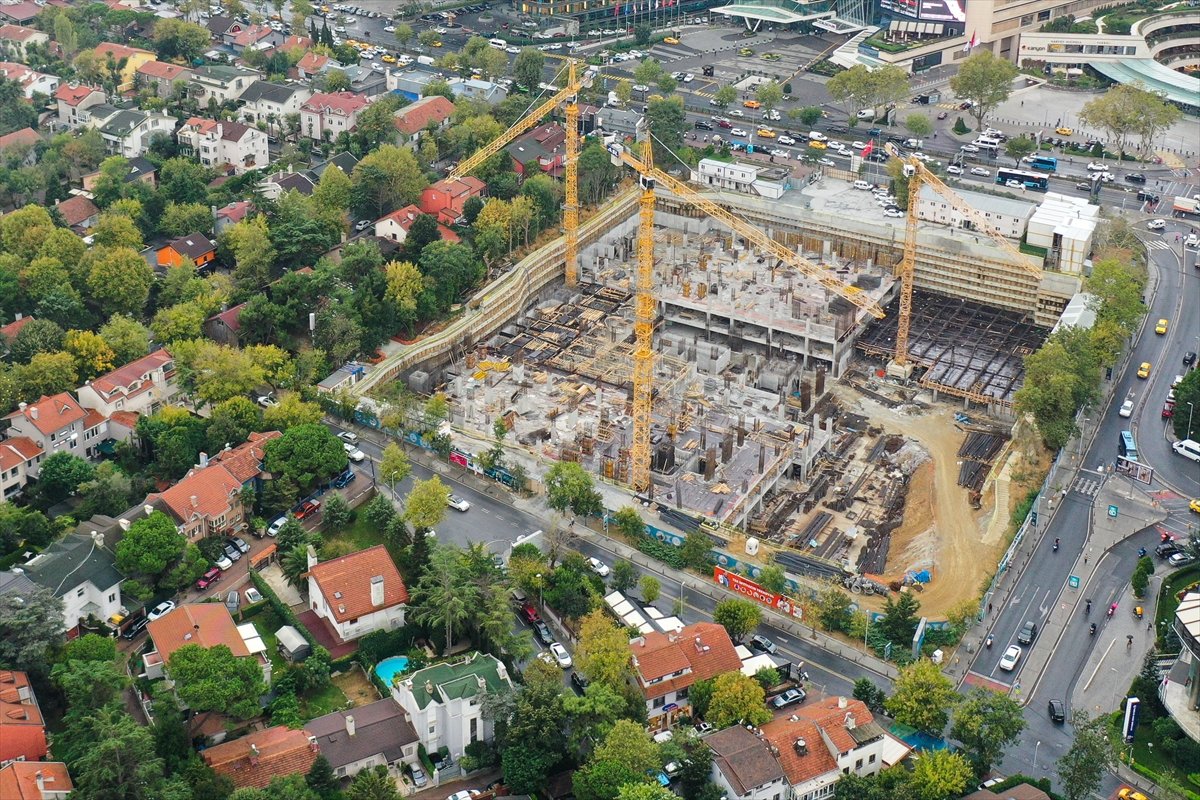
(288, 595)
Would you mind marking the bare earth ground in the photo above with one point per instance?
(356, 687)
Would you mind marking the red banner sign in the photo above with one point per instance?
(750, 589)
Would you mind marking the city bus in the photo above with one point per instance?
(1126, 445)
(1044, 163)
(1030, 180)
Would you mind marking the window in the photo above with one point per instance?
(659, 702)
(433, 729)
(79, 592)
(112, 598)
(871, 760)
(474, 729)
(858, 765)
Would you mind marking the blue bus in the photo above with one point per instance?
(1044, 163)
(1126, 445)
(1030, 180)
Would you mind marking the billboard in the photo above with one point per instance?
(928, 10)
(752, 590)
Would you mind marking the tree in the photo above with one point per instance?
(336, 513)
(451, 269)
(647, 72)
(214, 679)
(45, 374)
(333, 191)
(1187, 393)
(394, 466)
(833, 608)
(374, 783)
(386, 179)
(1128, 110)
(1118, 288)
(181, 321)
(858, 88)
(1018, 147)
(769, 94)
(773, 579)
(624, 576)
(322, 780)
(92, 354)
(570, 486)
(866, 691)
(666, 118)
(918, 124)
(986, 80)
(649, 587)
(29, 626)
(602, 654)
(696, 551)
(177, 39)
(624, 90)
(423, 231)
(127, 337)
(37, 336)
(250, 246)
(232, 421)
(444, 595)
(89, 684)
(1060, 378)
(899, 622)
(986, 722)
(1082, 767)
(425, 505)
(90, 647)
(726, 95)
(737, 699)
(117, 229)
(922, 697)
(150, 545)
(217, 372)
(61, 474)
(737, 616)
(290, 411)
(119, 762)
(940, 775)
(119, 280)
(404, 33)
(306, 455)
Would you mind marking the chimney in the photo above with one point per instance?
(312, 744)
(149, 509)
(33, 412)
(203, 460)
(254, 754)
(124, 523)
(349, 724)
(98, 538)
(672, 636)
(801, 747)
(312, 557)
(638, 641)
(41, 781)
(842, 701)
(850, 723)
(699, 645)
(19, 316)
(195, 501)
(22, 406)
(377, 591)
(429, 688)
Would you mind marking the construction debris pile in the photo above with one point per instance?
(976, 455)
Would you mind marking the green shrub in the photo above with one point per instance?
(960, 127)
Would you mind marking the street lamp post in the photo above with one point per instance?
(1035, 754)
(539, 580)
(1191, 408)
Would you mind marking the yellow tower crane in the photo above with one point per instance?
(643, 368)
(569, 94)
(919, 175)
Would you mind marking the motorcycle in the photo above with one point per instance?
(1088, 608)
(1092, 630)
(1112, 609)
(1141, 552)
(1056, 545)
(988, 641)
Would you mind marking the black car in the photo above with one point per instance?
(871, 131)
(1166, 550)
(579, 682)
(1189, 359)
(1147, 197)
(878, 158)
(1028, 633)
(841, 129)
(701, 125)
(1135, 177)
(136, 628)
(1058, 711)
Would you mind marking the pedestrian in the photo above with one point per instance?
(989, 608)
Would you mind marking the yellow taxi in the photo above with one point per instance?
(435, 44)
(388, 59)
(745, 51)
(815, 145)
(751, 104)
(1195, 505)
(670, 40)
(1064, 131)
(1128, 793)
(1144, 370)
(766, 133)
(1161, 327)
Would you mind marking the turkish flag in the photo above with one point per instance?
(866, 151)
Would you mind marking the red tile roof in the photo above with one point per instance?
(230, 317)
(346, 583)
(22, 729)
(252, 34)
(312, 62)
(21, 11)
(255, 759)
(207, 492)
(25, 136)
(73, 93)
(825, 716)
(17, 451)
(93, 419)
(52, 414)
(245, 461)
(13, 328)
(235, 211)
(125, 377)
(119, 51)
(299, 42)
(704, 648)
(17, 33)
(415, 117)
(75, 210)
(405, 217)
(205, 624)
(346, 103)
(19, 780)
(163, 71)
(126, 419)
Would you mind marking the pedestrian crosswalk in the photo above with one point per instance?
(1086, 486)
(1155, 244)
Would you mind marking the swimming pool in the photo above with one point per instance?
(390, 667)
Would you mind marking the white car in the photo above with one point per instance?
(389, 28)
(253, 596)
(353, 452)
(738, 132)
(1008, 661)
(599, 567)
(689, 78)
(969, 148)
(1097, 166)
(560, 655)
(1126, 408)
(866, 113)
(1192, 242)
(779, 153)
(348, 436)
(737, 112)
(1013, 184)
(376, 67)
(457, 503)
(827, 162)
(893, 212)
(512, 50)
(161, 610)
(980, 171)
(786, 140)
(954, 169)
(276, 526)
(267, 400)
(1156, 224)
(223, 562)
(465, 794)
(641, 87)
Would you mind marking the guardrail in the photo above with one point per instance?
(501, 302)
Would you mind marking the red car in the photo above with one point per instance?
(308, 508)
(209, 578)
(529, 613)
(1168, 410)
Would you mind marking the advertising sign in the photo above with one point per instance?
(1133, 707)
(928, 10)
(750, 589)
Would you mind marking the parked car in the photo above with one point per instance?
(542, 632)
(599, 567)
(208, 578)
(1180, 559)
(267, 400)
(1058, 711)
(457, 503)
(353, 453)
(223, 561)
(277, 526)
(954, 169)
(529, 613)
(788, 698)
(579, 682)
(239, 543)
(136, 628)
(253, 596)
(161, 610)
(233, 601)
(561, 656)
(348, 436)
(307, 509)
(762, 644)
(343, 480)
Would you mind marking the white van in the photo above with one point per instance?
(1188, 448)
(862, 185)
(499, 44)
(986, 141)
(817, 136)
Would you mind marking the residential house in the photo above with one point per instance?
(665, 665)
(196, 249)
(59, 424)
(255, 37)
(207, 625)
(224, 327)
(128, 132)
(82, 571)
(365, 81)
(22, 727)
(446, 198)
(1022, 791)
(18, 142)
(220, 27)
(141, 170)
(142, 386)
(476, 89)
(162, 77)
(20, 13)
(272, 103)
(744, 767)
(327, 114)
(205, 502)
(313, 65)
(256, 758)
(74, 100)
(124, 61)
(825, 739)
(231, 214)
(220, 83)
(15, 38)
(444, 701)
(358, 593)
(394, 227)
(78, 213)
(363, 737)
(410, 83)
(17, 456)
(542, 148)
(32, 82)
(224, 144)
(298, 45)
(9, 332)
(414, 119)
(36, 780)
(304, 181)
(245, 462)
